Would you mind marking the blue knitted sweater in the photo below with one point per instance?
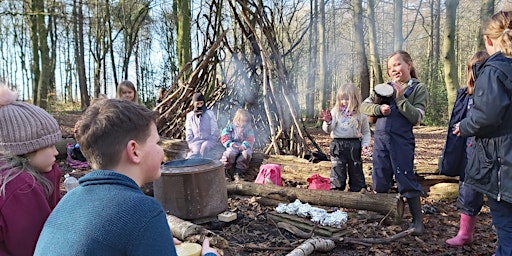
(106, 215)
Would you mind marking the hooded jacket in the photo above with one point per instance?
(489, 170)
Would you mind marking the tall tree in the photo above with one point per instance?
(398, 38)
(322, 59)
(130, 15)
(361, 63)
(183, 40)
(451, 77)
(373, 45)
(312, 56)
(486, 11)
(78, 32)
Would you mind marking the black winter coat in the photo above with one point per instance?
(489, 170)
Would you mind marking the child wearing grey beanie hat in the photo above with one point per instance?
(29, 176)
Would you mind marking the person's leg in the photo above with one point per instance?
(206, 148)
(382, 173)
(356, 179)
(338, 174)
(194, 149)
(501, 213)
(470, 203)
(228, 159)
(242, 162)
(402, 159)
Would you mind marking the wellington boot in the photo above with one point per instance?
(466, 231)
(417, 215)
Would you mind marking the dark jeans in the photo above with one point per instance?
(501, 213)
(470, 201)
(346, 158)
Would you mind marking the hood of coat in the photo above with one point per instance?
(499, 61)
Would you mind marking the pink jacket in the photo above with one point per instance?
(23, 211)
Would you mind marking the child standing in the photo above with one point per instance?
(126, 91)
(29, 176)
(238, 138)
(394, 143)
(489, 168)
(109, 214)
(201, 130)
(351, 136)
(456, 155)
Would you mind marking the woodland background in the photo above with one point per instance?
(282, 60)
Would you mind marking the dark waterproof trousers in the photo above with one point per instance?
(470, 201)
(346, 157)
(501, 213)
(393, 154)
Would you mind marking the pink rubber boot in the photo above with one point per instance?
(466, 230)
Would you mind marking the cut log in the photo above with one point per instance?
(311, 245)
(381, 203)
(188, 231)
(305, 225)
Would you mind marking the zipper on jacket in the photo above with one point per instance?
(498, 198)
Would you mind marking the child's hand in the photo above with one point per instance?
(326, 116)
(385, 109)
(456, 130)
(176, 241)
(206, 248)
(398, 88)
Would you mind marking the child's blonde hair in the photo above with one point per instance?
(498, 28)
(351, 92)
(242, 115)
(130, 86)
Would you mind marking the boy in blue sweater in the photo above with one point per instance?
(108, 214)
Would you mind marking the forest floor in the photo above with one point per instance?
(253, 234)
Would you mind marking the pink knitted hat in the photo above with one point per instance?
(24, 128)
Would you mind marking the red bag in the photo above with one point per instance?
(269, 174)
(318, 182)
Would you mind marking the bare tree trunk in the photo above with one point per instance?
(183, 40)
(79, 52)
(361, 63)
(324, 94)
(486, 11)
(373, 43)
(398, 38)
(450, 66)
(44, 51)
(310, 86)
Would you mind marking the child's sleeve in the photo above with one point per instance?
(214, 132)
(189, 133)
(413, 107)
(365, 131)
(225, 137)
(369, 108)
(249, 139)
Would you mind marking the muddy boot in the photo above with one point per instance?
(417, 215)
(466, 230)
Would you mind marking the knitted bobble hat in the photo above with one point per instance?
(24, 128)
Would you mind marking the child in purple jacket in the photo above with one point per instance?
(29, 176)
(238, 138)
(201, 130)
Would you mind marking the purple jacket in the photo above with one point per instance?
(23, 211)
(201, 128)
